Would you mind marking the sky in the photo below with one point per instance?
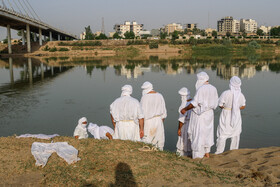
(74, 15)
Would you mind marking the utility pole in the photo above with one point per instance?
(103, 27)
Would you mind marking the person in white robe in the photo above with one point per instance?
(201, 127)
(184, 143)
(102, 132)
(127, 116)
(81, 130)
(154, 110)
(230, 125)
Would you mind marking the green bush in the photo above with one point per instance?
(278, 43)
(137, 42)
(81, 44)
(153, 45)
(254, 44)
(54, 49)
(46, 48)
(63, 49)
(227, 43)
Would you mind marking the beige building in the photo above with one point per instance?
(191, 26)
(265, 29)
(209, 31)
(170, 28)
(127, 27)
(248, 25)
(228, 24)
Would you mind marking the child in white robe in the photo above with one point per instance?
(102, 132)
(184, 143)
(81, 130)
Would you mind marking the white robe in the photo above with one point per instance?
(100, 132)
(225, 130)
(184, 143)
(201, 128)
(81, 131)
(154, 110)
(126, 112)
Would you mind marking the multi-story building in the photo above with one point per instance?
(83, 36)
(248, 25)
(228, 24)
(170, 28)
(127, 27)
(265, 29)
(191, 26)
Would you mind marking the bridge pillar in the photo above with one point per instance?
(9, 39)
(58, 37)
(28, 38)
(11, 70)
(40, 37)
(51, 36)
(22, 37)
(30, 71)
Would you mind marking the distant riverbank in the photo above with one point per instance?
(118, 162)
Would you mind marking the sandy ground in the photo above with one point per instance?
(120, 163)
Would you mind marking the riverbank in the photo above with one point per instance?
(118, 162)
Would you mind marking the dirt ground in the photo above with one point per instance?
(120, 163)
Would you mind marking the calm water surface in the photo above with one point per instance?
(50, 96)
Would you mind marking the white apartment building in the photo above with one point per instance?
(127, 27)
(265, 29)
(170, 28)
(235, 26)
(248, 25)
(228, 24)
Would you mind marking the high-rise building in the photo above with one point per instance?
(248, 25)
(191, 26)
(170, 28)
(228, 24)
(127, 27)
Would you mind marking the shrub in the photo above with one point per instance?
(54, 49)
(163, 41)
(278, 43)
(63, 49)
(227, 43)
(254, 44)
(153, 45)
(46, 48)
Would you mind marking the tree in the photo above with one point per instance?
(260, 32)
(175, 35)
(228, 34)
(214, 34)
(5, 41)
(116, 36)
(163, 35)
(89, 34)
(101, 36)
(129, 35)
(275, 31)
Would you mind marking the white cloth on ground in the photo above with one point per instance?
(228, 128)
(153, 106)
(201, 127)
(100, 132)
(39, 136)
(42, 152)
(81, 129)
(126, 112)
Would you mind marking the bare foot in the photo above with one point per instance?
(207, 155)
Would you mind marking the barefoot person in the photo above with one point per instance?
(154, 110)
(127, 116)
(184, 143)
(102, 132)
(201, 128)
(231, 101)
(81, 129)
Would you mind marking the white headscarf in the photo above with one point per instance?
(147, 87)
(185, 95)
(94, 130)
(202, 77)
(80, 122)
(234, 86)
(126, 90)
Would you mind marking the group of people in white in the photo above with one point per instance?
(143, 121)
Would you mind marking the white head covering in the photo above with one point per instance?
(202, 77)
(94, 130)
(126, 90)
(185, 95)
(234, 86)
(80, 122)
(147, 87)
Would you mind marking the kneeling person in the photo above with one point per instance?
(102, 132)
(81, 129)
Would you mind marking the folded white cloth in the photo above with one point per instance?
(42, 152)
(39, 136)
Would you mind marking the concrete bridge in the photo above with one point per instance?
(11, 19)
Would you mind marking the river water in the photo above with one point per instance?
(50, 95)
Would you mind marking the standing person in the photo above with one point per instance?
(201, 128)
(184, 143)
(127, 116)
(154, 110)
(231, 102)
(81, 129)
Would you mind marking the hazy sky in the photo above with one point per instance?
(74, 15)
